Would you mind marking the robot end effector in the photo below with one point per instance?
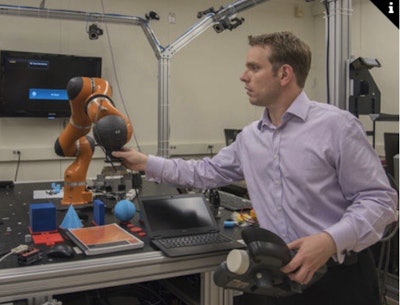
(91, 104)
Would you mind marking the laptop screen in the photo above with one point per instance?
(176, 214)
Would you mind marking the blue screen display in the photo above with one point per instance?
(34, 84)
(48, 94)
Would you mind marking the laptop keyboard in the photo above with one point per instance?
(193, 240)
(233, 202)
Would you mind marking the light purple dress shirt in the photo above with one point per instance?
(315, 172)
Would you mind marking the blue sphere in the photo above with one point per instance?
(124, 210)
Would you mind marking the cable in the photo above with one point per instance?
(383, 268)
(17, 250)
(18, 163)
(144, 293)
(384, 258)
(116, 77)
(391, 232)
(5, 256)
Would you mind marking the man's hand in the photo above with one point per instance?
(312, 252)
(132, 159)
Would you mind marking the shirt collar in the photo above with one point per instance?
(298, 108)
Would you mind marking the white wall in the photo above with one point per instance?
(206, 95)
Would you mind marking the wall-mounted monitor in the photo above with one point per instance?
(34, 84)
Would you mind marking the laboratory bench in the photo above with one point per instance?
(40, 281)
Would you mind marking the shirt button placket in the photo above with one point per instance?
(277, 183)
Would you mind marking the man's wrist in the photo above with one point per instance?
(330, 242)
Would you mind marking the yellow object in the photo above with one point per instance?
(253, 214)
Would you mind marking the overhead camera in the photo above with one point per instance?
(228, 24)
(152, 15)
(94, 32)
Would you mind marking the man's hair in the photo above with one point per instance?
(286, 48)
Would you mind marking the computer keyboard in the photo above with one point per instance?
(233, 202)
(193, 240)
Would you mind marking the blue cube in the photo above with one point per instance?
(43, 217)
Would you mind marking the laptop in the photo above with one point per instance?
(183, 224)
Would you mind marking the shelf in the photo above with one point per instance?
(185, 288)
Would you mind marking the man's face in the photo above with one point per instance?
(262, 84)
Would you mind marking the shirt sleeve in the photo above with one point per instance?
(224, 168)
(364, 183)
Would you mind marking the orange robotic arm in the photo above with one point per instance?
(90, 104)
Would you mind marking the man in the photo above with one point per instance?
(312, 176)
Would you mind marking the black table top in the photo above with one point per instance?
(15, 219)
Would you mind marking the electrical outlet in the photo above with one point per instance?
(172, 18)
(16, 152)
